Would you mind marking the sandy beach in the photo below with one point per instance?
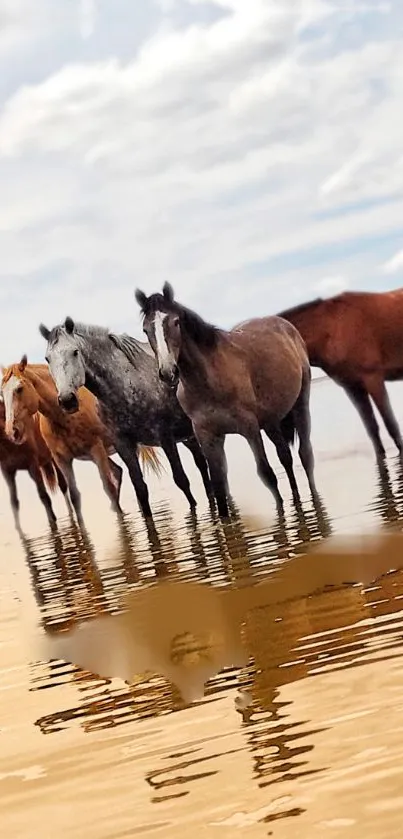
(299, 727)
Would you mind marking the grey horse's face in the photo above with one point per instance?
(65, 362)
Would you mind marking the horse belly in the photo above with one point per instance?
(219, 417)
(276, 390)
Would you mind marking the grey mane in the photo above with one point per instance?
(130, 347)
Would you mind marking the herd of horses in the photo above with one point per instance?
(190, 382)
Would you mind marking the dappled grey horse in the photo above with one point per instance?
(137, 406)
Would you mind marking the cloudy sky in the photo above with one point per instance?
(250, 151)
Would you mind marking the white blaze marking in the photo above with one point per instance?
(8, 398)
(164, 355)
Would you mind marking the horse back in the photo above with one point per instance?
(353, 331)
(271, 336)
(274, 360)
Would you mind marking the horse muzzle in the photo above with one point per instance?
(68, 402)
(15, 435)
(169, 375)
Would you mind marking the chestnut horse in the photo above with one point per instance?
(357, 339)
(34, 457)
(28, 389)
(257, 376)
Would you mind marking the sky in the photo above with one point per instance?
(248, 151)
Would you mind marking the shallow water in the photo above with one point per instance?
(300, 723)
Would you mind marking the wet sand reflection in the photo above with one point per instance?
(223, 615)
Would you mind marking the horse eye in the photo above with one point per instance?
(75, 353)
(47, 359)
(19, 388)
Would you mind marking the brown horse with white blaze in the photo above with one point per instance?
(356, 338)
(257, 376)
(28, 389)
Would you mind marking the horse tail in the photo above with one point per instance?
(150, 460)
(288, 429)
(50, 476)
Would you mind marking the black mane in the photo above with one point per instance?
(202, 333)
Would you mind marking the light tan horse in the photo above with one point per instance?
(29, 389)
(257, 376)
(34, 457)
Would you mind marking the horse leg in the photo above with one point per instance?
(377, 390)
(61, 480)
(66, 467)
(201, 463)
(9, 477)
(264, 469)
(117, 476)
(360, 399)
(128, 452)
(102, 461)
(212, 447)
(178, 473)
(36, 476)
(285, 457)
(301, 416)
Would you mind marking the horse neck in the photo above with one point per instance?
(310, 323)
(45, 389)
(104, 366)
(194, 361)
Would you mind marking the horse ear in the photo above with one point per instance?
(45, 332)
(168, 292)
(23, 363)
(69, 325)
(141, 298)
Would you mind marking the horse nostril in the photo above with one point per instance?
(68, 403)
(175, 372)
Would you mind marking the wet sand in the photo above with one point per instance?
(311, 653)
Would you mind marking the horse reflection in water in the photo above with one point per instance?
(388, 502)
(71, 590)
(289, 641)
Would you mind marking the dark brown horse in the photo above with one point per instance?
(357, 339)
(255, 377)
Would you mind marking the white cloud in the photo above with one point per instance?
(87, 17)
(332, 284)
(212, 150)
(394, 264)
